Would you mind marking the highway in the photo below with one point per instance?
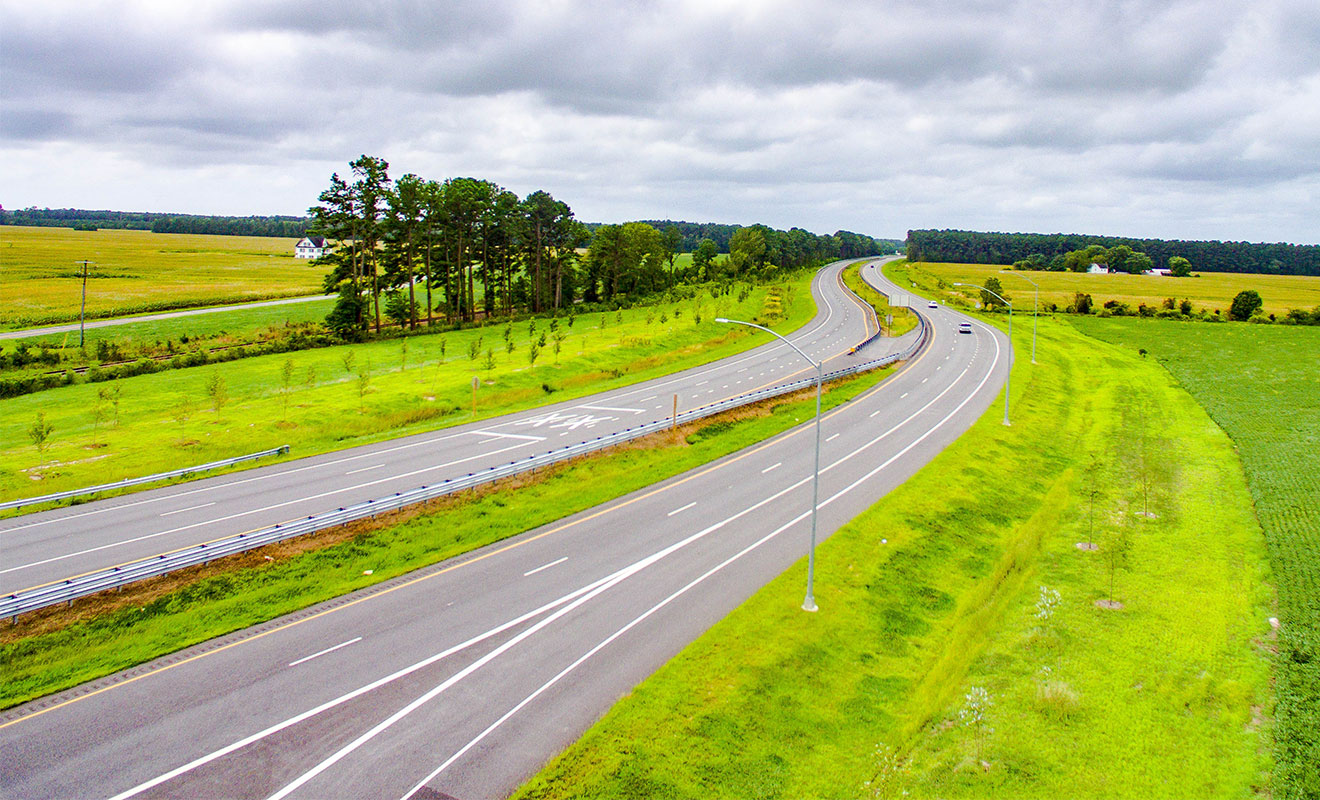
(53, 545)
(460, 680)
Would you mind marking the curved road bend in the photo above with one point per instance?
(462, 679)
(53, 545)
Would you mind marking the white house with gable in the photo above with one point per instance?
(1098, 269)
(310, 247)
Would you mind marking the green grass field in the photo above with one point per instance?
(39, 663)
(1213, 290)
(1167, 696)
(1261, 384)
(346, 395)
(139, 271)
(238, 323)
(903, 320)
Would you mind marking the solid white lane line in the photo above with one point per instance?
(344, 698)
(323, 652)
(356, 471)
(611, 408)
(590, 593)
(181, 510)
(599, 646)
(774, 466)
(531, 572)
(929, 431)
(523, 436)
(259, 510)
(680, 510)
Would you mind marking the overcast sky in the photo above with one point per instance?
(1173, 119)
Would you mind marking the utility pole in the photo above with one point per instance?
(82, 313)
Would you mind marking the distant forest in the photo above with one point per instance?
(851, 244)
(82, 219)
(972, 247)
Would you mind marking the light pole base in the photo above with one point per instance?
(810, 604)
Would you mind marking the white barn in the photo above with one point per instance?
(310, 247)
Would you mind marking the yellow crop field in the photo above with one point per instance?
(139, 271)
(1210, 291)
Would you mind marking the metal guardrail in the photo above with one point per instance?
(12, 605)
(29, 501)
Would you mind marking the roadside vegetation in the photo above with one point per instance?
(336, 397)
(967, 646)
(37, 363)
(1262, 386)
(903, 320)
(1210, 295)
(137, 272)
(55, 649)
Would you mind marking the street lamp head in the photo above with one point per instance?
(721, 319)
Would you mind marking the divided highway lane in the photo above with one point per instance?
(461, 680)
(50, 546)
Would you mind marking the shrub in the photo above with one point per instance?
(1056, 699)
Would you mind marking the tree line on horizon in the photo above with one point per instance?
(469, 249)
(84, 219)
(1050, 251)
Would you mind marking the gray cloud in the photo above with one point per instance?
(1026, 115)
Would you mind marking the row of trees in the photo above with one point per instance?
(441, 240)
(851, 245)
(468, 249)
(1050, 250)
(83, 219)
(1119, 258)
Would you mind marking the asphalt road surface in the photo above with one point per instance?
(461, 680)
(51, 546)
(106, 323)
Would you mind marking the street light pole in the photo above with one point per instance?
(82, 313)
(1035, 308)
(808, 604)
(1008, 381)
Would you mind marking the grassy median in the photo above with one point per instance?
(967, 646)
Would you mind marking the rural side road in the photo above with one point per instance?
(460, 680)
(105, 323)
